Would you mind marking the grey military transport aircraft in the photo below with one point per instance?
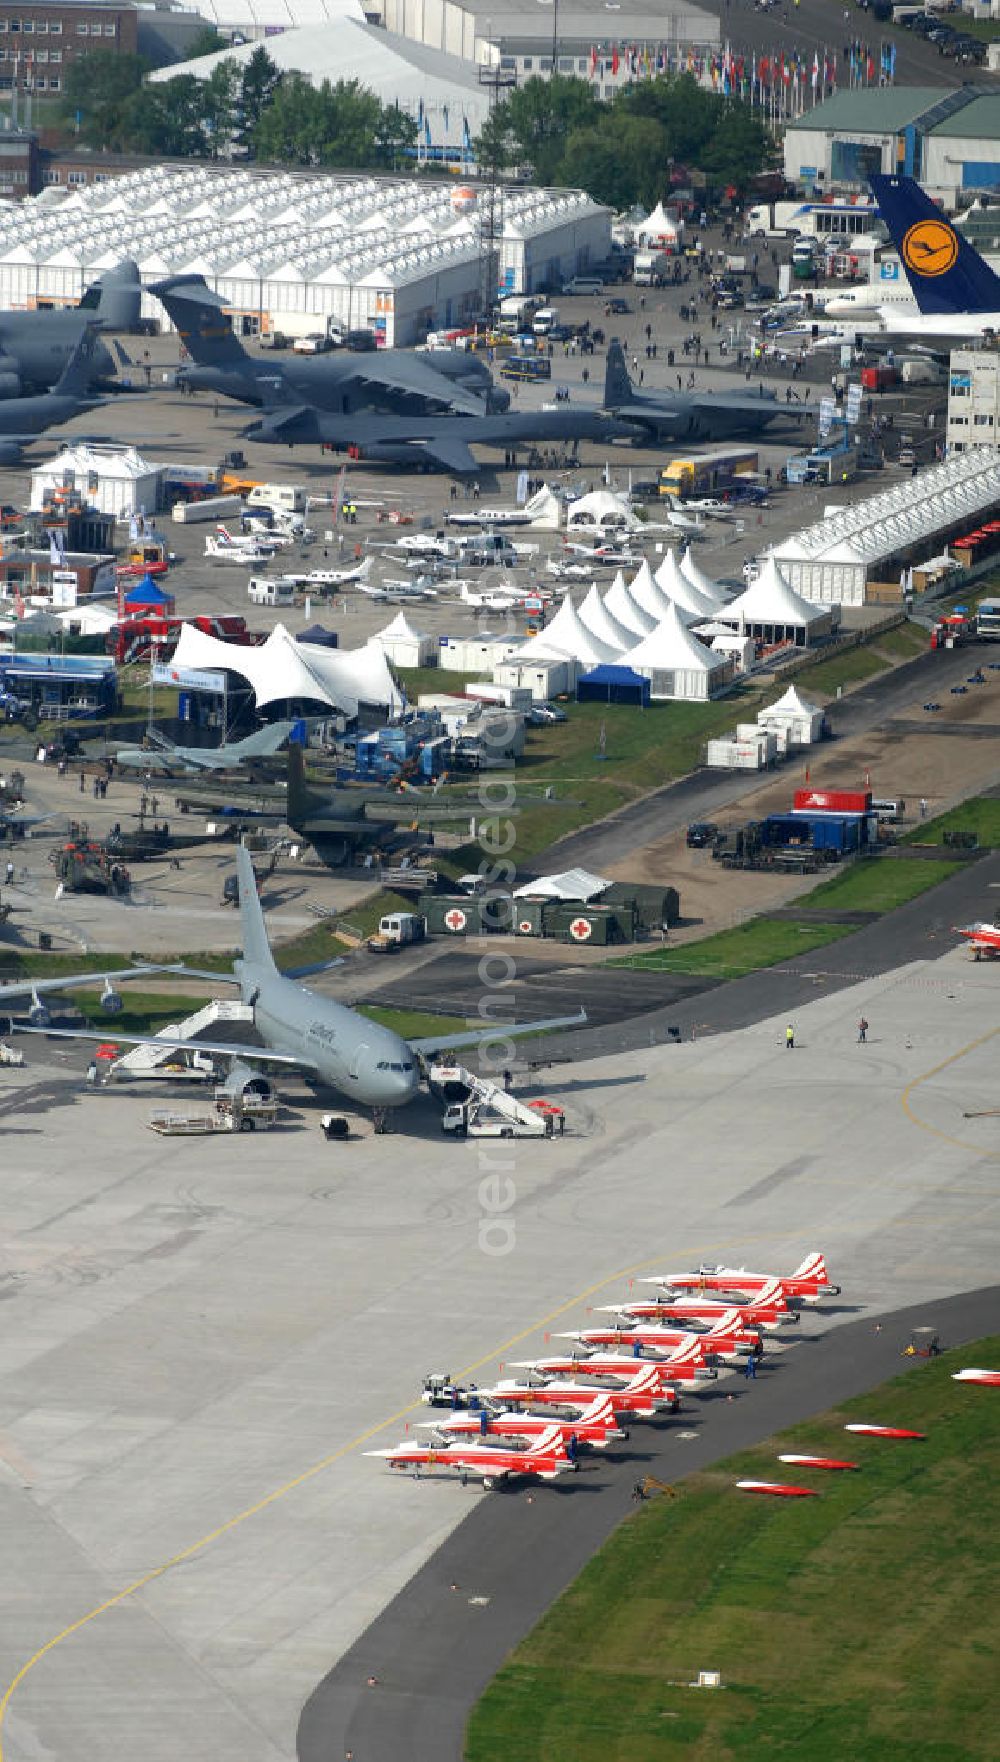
(692, 416)
(303, 1031)
(342, 382)
(36, 346)
(23, 419)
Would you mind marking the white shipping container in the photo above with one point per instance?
(512, 697)
(213, 508)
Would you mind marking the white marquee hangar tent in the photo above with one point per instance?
(282, 670)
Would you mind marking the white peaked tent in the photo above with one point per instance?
(406, 647)
(802, 721)
(704, 583)
(770, 610)
(659, 228)
(568, 638)
(670, 578)
(627, 611)
(544, 510)
(676, 663)
(283, 668)
(603, 624)
(651, 598)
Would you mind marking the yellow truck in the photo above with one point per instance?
(710, 473)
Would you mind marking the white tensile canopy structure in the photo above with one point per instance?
(676, 664)
(282, 668)
(671, 579)
(770, 610)
(602, 511)
(570, 884)
(405, 646)
(568, 638)
(802, 721)
(647, 593)
(691, 569)
(603, 623)
(627, 611)
(659, 228)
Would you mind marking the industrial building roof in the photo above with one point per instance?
(873, 110)
(878, 527)
(275, 226)
(978, 120)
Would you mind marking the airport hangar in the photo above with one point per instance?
(949, 140)
(290, 250)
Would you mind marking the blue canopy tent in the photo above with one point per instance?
(327, 639)
(148, 596)
(609, 684)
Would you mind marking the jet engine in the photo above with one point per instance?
(38, 1015)
(111, 1000)
(10, 379)
(242, 1081)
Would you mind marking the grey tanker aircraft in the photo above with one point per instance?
(386, 379)
(692, 416)
(303, 1031)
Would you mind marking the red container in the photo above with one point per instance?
(833, 801)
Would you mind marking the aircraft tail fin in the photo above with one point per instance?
(726, 1324)
(301, 800)
(618, 387)
(263, 741)
(945, 273)
(546, 1442)
(74, 381)
(813, 1267)
(202, 323)
(647, 1378)
(256, 947)
(690, 1354)
(769, 1293)
(116, 300)
(602, 1412)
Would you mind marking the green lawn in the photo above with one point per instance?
(877, 885)
(730, 954)
(861, 1626)
(979, 815)
(847, 669)
(902, 643)
(146, 1012)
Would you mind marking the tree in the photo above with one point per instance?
(618, 162)
(97, 91)
(534, 123)
(207, 42)
(261, 80)
(740, 146)
(686, 112)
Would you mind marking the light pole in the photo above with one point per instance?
(555, 34)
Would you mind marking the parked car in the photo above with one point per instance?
(316, 343)
(618, 306)
(700, 833)
(546, 713)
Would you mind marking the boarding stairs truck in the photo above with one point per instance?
(170, 1061)
(475, 1107)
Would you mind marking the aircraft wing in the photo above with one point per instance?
(27, 987)
(170, 1042)
(450, 451)
(499, 1031)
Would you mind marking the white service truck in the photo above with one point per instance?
(651, 269)
(209, 509)
(396, 930)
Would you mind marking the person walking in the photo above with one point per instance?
(862, 1032)
(790, 1037)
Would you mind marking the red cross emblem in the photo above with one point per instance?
(454, 920)
(581, 929)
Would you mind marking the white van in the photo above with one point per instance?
(289, 498)
(888, 809)
(544, 320)
(584, 284)
(264, 592)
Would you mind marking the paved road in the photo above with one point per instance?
(433, 1652)
(703, 794)
(816, 26)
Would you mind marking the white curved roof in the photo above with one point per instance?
(283, 668)
(626, 611)
(603, 624)
(965, 485)
(691, 569)
(670, 648)
(674, 583)
(771, 600)
(597, 505)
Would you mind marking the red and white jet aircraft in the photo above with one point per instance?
(597, 1425)
(983, 939)
(644, 1395)
(809, 1282)
(686, 1366)
(546, 1458)
(727, 1337)
(769, 1309)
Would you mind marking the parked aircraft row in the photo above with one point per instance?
(533, 1426)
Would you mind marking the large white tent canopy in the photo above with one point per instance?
(567, 638)
(627, 611)
(603, 624)
(672, 581)
(771, 610)
(282, 668)
(675, 662)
